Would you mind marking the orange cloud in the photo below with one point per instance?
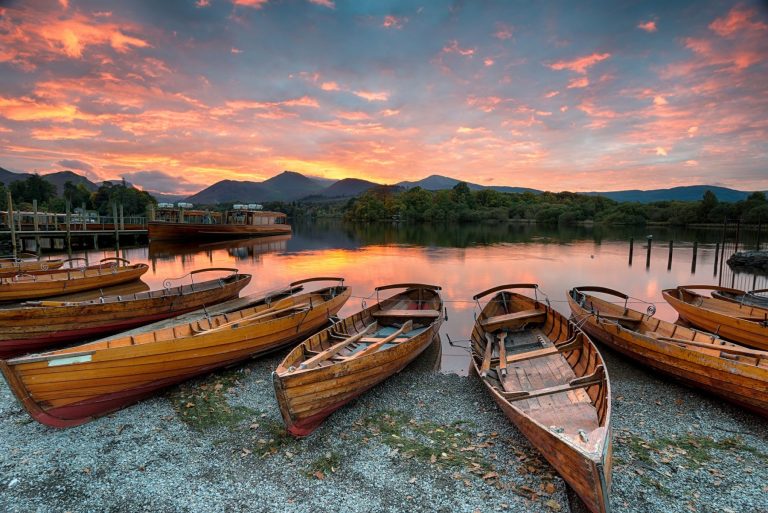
(580, 64)
(551, 94)
(57, 133)
(329, 86)
(485, 103)
(661, 151)
(256, 4)
(488, 62)
(648, 26)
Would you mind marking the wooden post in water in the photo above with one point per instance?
(116, 225)
(36, 225)
(631, 249)
(717, 254)
(85, 218)
(759, 229)
(722, 252)
(669, 261)
(69, 228)
(738, 235)
(693, 259)
(11, 223)
(648, 254)
(122, 218)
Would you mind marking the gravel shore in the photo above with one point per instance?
(422, 441)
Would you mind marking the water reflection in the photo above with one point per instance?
(462, 259)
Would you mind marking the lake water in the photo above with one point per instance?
(463, 259)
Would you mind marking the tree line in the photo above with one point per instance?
(35, 187)
(461, 204)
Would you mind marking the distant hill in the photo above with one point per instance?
(685, 193)
(289, 185)
(348, 187)
(439, 182)
(58, 179)
(231, 191)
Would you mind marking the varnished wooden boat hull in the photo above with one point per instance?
(749, 333)
(745, 385)
(308, 397)
(191, 231)
(66, 282)
(586, 465)
(30, 265)
(589, 477)
(33, 328)
(71, 386)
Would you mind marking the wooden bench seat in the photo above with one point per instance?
(432, 314)
(514, 320)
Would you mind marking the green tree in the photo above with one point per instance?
(33, 188)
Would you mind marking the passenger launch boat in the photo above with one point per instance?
(240, 222)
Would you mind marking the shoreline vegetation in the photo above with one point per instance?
(416, 205)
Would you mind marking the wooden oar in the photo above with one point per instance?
(502, 353)
(486, 365)
(334, 349)
(743, 351)
(269, 312)
(376, 345)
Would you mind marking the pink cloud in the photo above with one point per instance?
(393, 22)
(580, 64)
(551, 94)
(488, 62)
(353, 116)
(503, 31)
(235, 50)
(659, 100)
(648, 26)
(325, 3)
(389, 112)
(660, 151)
(484, 103)
(329, 86)
(453, 47)
(738, 19)
(578, 83)
(373, 96)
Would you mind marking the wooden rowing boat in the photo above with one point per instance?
(29, 262)
(341, 362)
(550, 380)
(38, 284)
(743, 297)
(71, 386)
(37, 325)
(740, 323)
(700, 360)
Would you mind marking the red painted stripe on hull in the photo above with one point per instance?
(306, 426)
(85, 411)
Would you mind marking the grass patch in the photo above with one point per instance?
(695, 450)
(447, 445)
(326, 464)
(204, 405)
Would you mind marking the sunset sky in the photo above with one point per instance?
(176, 95)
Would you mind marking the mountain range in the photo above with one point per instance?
(292, 186)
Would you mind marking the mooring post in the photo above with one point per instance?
(116, 224)
(738, 235)
(85, 218)
(631, 249)
(648, 254)
(717, 254)
(693, 260)
(669, 261)
(11, 224)
(722, 252)
(759, 229)
(36, 226)
(122, 218)
(69, 228)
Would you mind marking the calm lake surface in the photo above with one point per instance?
(463, 259)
